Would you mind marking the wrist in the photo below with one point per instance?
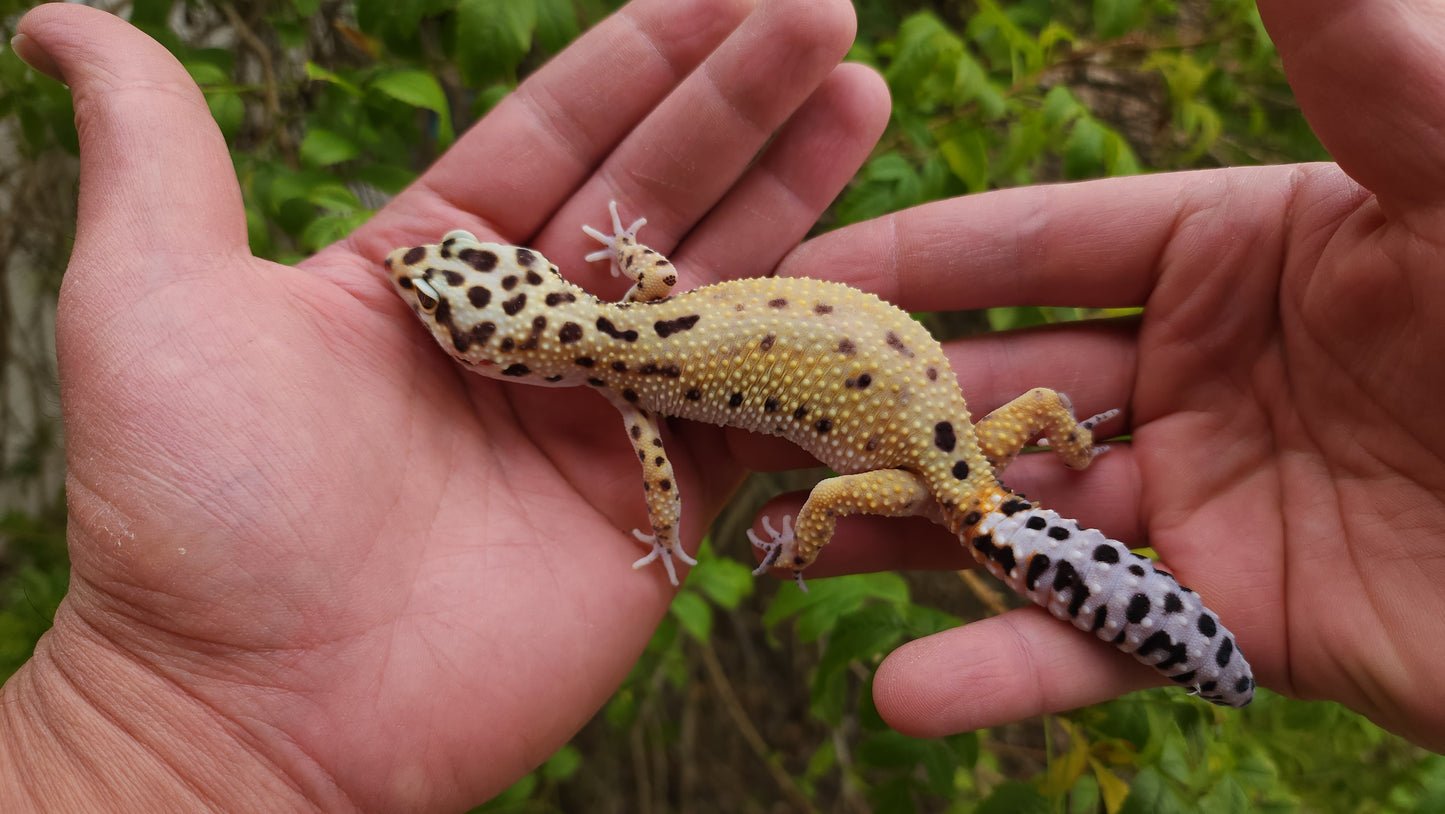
(85, 726)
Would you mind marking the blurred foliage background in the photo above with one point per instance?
(752, 696)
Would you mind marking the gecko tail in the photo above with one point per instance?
(1099, 586)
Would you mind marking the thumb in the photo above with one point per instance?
(155, 176)
(1371, 79)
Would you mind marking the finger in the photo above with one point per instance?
(156, 179)
(1093, 244)
(1371, 81)
(681, 161)
(798, 176)
(1002, 669)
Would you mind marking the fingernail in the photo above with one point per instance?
(33, 55)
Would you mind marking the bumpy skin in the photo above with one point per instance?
(848, 377)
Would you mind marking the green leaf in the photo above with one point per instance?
(693, 613)
(726, 582)
(419, 89)
(1012, 797)
(317, 73)
(413, 87)
(492, 36)
(1084, 150)
(334, 197)
(322, 148)
(556, 24)
(563, 764)
(862, 636)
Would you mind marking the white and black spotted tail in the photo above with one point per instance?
(1100, 586)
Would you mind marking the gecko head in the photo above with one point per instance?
(496, 308)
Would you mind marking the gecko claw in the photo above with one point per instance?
(660, 551)
(773, 549)
(610, 241)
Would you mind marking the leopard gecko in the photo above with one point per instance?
(846, 376)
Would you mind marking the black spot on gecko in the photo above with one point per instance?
(931, 373)
(861, 382)
(605, 326)
(735, 399)
(823, 425)
(1038, 564)
(1003, 555)
(800, 413)
(659, 461)
(1184, 678)
(620, 367)
(1106, 553)
(479, 259)
(558, 297)
(636, 431)
(657, 442)
(944, 438)
(556, 378)
(570, 332)
(517, 369)
(692, 395)
(414, 255)
(508, 344)
(1013, 506)
(1207, 626)
(972, 518)
(630, 395)
(767, 342)
(596, 382)
(453, 278)
(668, 327)
(1059, 533)
(479, 296)
(1136, 570)
(1138, 609)
(1172, 603)
(404, 282)
(846, 347)
(898, 344)
(509, 282)
(960, 470)
(822, 309)
(771, 405)
(515, 304)
(671, 371)
(1161, 641)
(539, 324)
(525, 258)
(1036, 522)
(647, 369)
(665, 485)
(780, 302)
(478, 335)
(873, 443)
(582, 361)
(1101, 617)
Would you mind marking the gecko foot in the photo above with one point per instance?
(774, 548)
(663, 552)
(610, 241)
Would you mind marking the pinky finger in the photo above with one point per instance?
(998, 670)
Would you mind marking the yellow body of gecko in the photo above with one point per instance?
(846, 376)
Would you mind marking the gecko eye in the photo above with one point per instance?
(426, 296)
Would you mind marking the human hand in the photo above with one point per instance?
(315, 562)
(1282, 387)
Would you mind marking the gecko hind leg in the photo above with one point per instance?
(1005, 431)
(884, 492)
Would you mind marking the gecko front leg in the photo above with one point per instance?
(652, 275)
(659, 487)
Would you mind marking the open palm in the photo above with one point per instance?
(1283, 389)
(295, 524)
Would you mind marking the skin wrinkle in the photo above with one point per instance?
(78, 690)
